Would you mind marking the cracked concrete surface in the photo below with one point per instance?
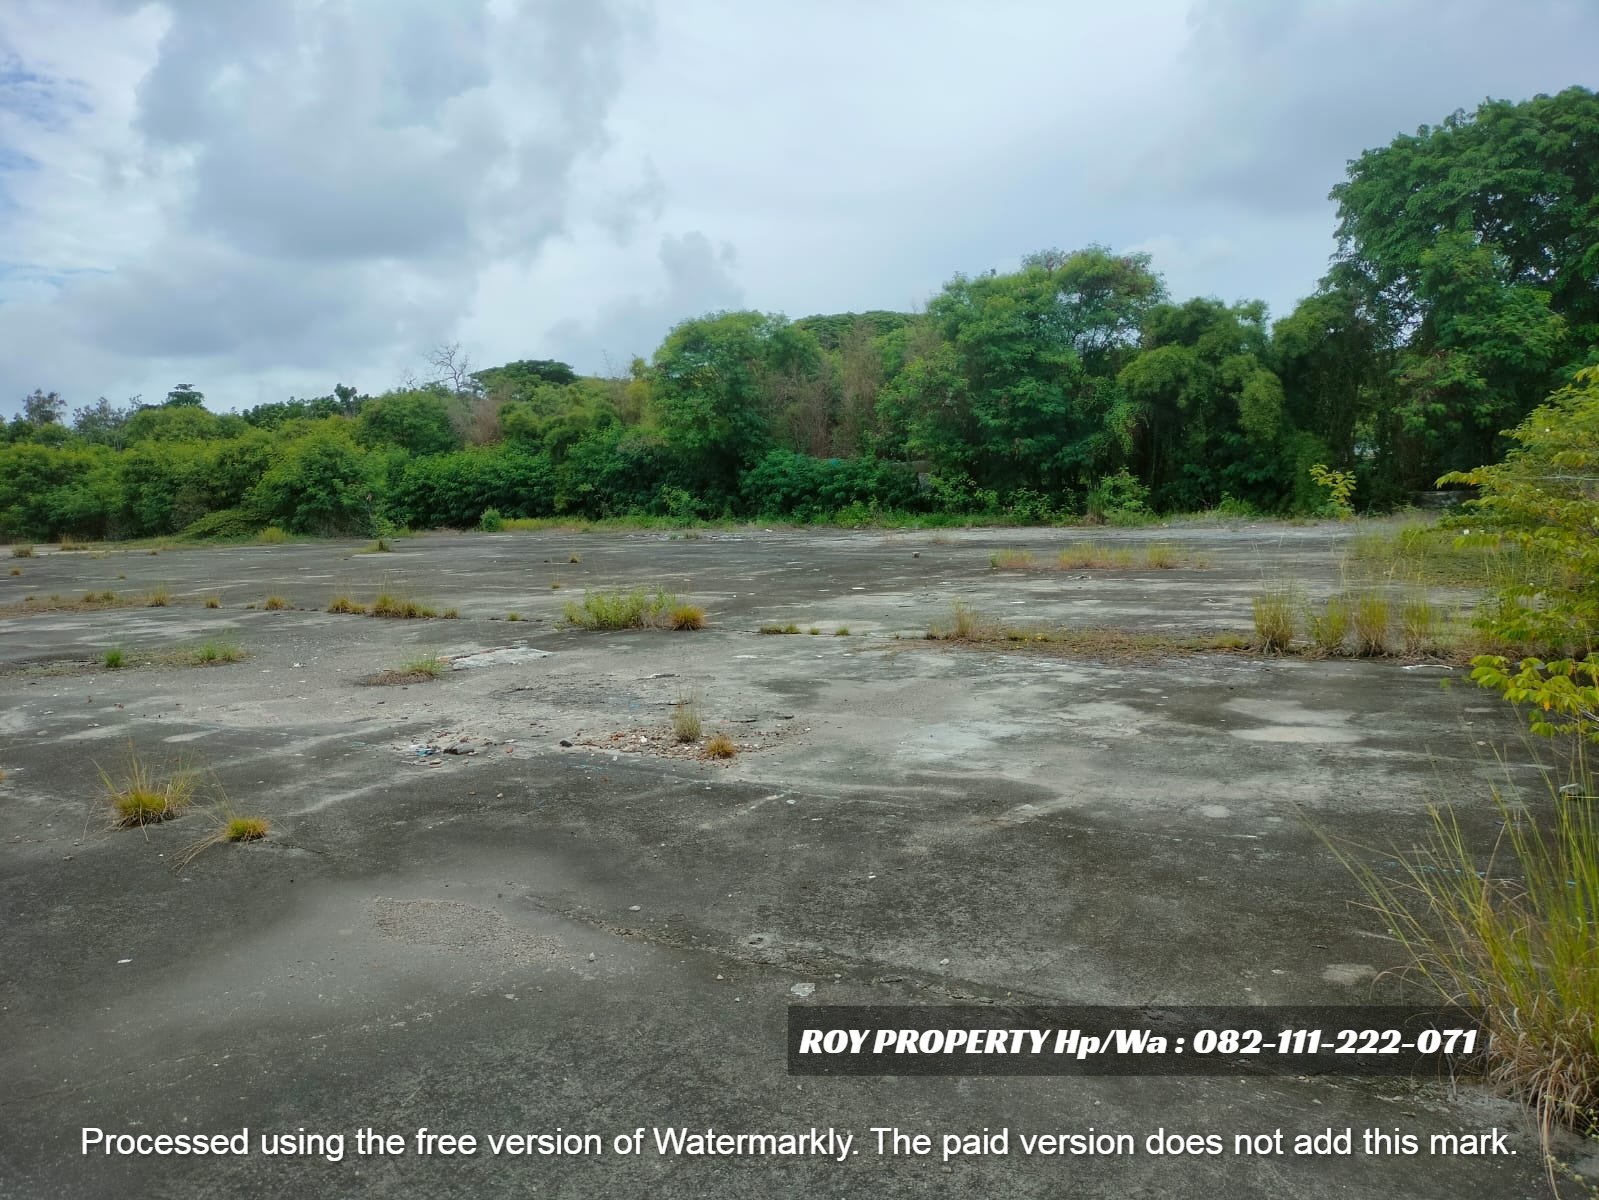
(536, 935)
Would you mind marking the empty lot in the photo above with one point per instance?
(607, 934)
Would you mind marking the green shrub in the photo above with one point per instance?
(491, 521)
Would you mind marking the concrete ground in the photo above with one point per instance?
(607, 935)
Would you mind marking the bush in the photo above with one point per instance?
(1118, 495)
(224, 523)
(491, 521)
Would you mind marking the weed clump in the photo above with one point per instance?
(245, 829)
(1274, 621)
(633, 610)
(22, 550)
(157, 597)
(1092, 556)
(686, 617)
(1513, 936)
(1418, 624)
(1329, 627)
(210, 653)
(141, 796)
(346, 604)
(213, 601)
(780, 629)
(399, 608)
(720, 746)
(114, 658)
(1370, 618)
(272, 536)
(686, 721)
(1160, 556)
(275, 603)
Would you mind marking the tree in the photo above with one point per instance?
(1209, 413)
(43, 408)
(1471, 247)
(101, 421)
(184, 395)
(709, 396)
(418, 421)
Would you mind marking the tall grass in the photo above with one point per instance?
(1329, 627)
(1275, 624)
(1513, 932)
(1370, 617)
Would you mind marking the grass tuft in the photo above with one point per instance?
(140, 795)
(209, 654)
(1418, 623)
(213, 601)
(245, 829)
(156, 597)
(686, 617)
(1092, 556)
(1329, 627)
(22, 550)
(272, 536)
(1274, 620)
(780, 629)
(720, 746)
(399, 608)
(633, 610)
(841, 631)
(686, 720)
(114, 658)
(1370, 619)
(346, 604)
(275, 603)
(1160, 556)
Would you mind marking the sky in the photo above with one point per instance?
(266, 197)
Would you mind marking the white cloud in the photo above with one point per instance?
(263, 196)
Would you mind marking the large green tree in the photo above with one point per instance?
(1474, 246)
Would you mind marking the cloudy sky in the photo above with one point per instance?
(264, 197)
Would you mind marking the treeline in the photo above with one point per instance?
(1465, 289)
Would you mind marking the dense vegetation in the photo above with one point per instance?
(1465, 289)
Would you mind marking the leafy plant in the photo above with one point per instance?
(1339, 486)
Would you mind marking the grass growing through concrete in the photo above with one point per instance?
(22, 550)
(633, 610)
(1370, 616)
(1093, 556)
(418, 670)
(213, 601)
(245, 829)
(156, 597)
(400, 608)
(140, 795)
(114, 658)
(686, 720)
(275, 603)
(969, 627)
(213, 653)
(720, 746)
(1328, 628)
(780, 629)
(1513, 934)
(347, 604)
(1275, 620)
